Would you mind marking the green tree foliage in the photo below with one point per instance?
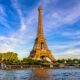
(9, 57)
(61, 60)
(68, 60)
(0, 58)
(29, 61)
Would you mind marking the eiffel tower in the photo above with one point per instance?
(40, 50)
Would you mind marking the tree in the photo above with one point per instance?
(9, 57)
(0, 57)
(61, 60)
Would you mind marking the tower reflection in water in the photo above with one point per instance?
(40, 74)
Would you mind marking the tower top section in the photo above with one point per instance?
(40, 22)
(40, 7)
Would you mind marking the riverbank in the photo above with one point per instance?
(23, 67)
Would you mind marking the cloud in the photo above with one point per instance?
(77, 33)
(66, 45)
(71, 53)
(16, 6)
(2, 10)
(66, 49)
(47, 2)
(3, 20)
(73, 15)
(6, 43)
(58, 17)
(5, 48)
(71, 35)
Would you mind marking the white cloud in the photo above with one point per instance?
(66, 50)
(57, 17)
(2, 10)
(5, 48)
(71, 53)
(3, 20)
(71, 35)
(15, 4)
(45, 3)
(76, 33)
(70, 44)
(73, 15)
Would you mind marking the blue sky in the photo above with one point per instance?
(61, 21)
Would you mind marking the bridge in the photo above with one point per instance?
(73, 64)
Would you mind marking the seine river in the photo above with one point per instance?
(41, 74)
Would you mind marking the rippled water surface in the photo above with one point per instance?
(41, 74)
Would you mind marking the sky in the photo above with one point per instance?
(61, 23)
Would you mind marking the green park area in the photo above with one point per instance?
(11, 58)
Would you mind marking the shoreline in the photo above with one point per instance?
(25, 67)
(69, 67)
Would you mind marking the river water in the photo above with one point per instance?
(41, 74)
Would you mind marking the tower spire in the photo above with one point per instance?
(40, 22)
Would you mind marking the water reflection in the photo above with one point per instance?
(40, 74)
